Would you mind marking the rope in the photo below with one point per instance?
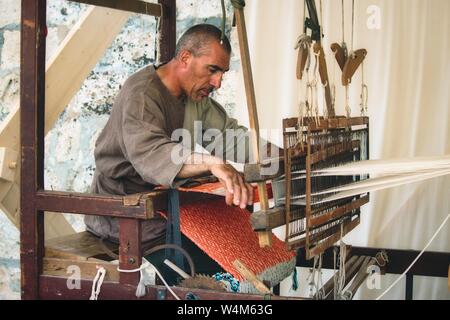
(417, 258)
(341, 273)
(173, 246)
(348, 109)
(140, 290)
(364, 93)
(97, 283)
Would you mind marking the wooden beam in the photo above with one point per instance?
(265, 237)
(135, 6)
(55, 288)
(168, 32)
(66, 71)
(32, 61)
(80, 203)
(82, 246)
(130, 252)
(77, 56)
(88, 269)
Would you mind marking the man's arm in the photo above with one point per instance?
(238, 192)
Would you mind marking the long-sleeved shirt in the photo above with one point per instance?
(135, 151)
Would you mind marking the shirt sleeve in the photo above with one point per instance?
(234, 141)
(148, 147)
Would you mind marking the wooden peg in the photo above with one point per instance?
(301, 61)
(323, 71)
(354, 60)
(339, 54)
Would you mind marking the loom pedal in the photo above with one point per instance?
(352, 64)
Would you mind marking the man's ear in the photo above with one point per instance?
(185, 57)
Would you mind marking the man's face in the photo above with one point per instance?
(204, 72)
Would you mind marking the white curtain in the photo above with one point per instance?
(407, 71)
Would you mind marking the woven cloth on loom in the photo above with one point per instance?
(218, 189)
(225, 234)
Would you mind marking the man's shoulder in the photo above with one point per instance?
(139, 78)
(140, 81)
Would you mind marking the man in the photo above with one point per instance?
(134, 152)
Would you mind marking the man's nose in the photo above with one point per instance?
(216, 80)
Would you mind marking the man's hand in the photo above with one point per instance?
(238, 192)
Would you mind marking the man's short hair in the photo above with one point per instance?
(198, 36)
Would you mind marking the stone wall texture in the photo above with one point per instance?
(69, 162)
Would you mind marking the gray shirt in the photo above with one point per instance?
(134, 152)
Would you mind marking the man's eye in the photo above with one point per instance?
(212, 70)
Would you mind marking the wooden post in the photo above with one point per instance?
(167, 41)
(130, 253)
(265, 237)
(32, 96)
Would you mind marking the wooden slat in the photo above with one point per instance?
(32, 60)
(316, 250)
(88, 269)
(77, 56)
(338, 212)
(135, 6)
(130, 251)
(55, 288)
(323, 72)
(361, 275)
(334, 150)
(79, 246)
(350, 273)
(168, 34)
(249, 276)
(81, 203)
(265, 237)
(331, 123)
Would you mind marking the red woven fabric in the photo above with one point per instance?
(225, 234)
(217, 189)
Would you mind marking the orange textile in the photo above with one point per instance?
(217, 189)
(225, 234)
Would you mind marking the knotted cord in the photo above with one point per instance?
(364, 93)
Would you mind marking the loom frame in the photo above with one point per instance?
(303, 151)
(35, 200)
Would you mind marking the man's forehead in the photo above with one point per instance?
(216, 55)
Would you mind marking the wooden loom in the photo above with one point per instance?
(311, 223)
(312, 143)
(44, 263)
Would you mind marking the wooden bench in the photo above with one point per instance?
(83, 250)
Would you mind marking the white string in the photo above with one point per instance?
(342, 258)
(147, 264)
(97, 283)
(385, 167)
(415, 260)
